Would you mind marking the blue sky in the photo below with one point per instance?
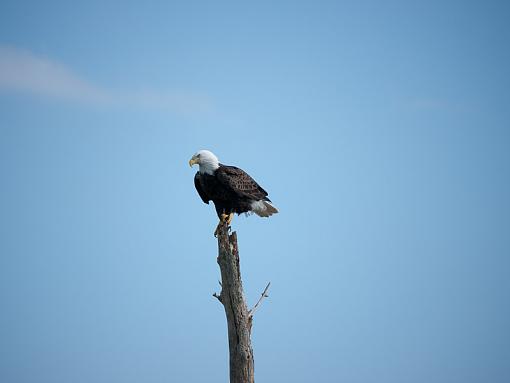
(380, 130)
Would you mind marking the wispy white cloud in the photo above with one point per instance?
(23, 71)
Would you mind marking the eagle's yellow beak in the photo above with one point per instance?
(193, 161)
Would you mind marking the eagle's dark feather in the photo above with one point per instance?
(231, 189)
(238, 180)
(200, 191)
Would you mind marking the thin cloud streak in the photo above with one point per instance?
(22, 71)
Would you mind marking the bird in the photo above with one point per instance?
(230, 188)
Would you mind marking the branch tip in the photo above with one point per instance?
(218, 297)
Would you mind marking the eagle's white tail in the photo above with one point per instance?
(263, 208)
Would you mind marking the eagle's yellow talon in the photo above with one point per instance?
(224, 218)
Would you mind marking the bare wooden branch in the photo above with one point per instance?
(262, 296)
(218, 297)
(239, 321)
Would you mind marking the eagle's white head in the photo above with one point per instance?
(206, 160)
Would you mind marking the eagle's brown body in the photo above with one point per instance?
(231, 189)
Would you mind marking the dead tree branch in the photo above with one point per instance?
(262, 296)
(239, 320)
(217, 296)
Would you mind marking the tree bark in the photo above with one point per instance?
(239, 319)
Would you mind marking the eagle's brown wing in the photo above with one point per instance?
(240, 182)
(201, 191)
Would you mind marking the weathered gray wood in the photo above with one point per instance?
(239, 320)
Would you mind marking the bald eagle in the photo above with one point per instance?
(231, 189)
